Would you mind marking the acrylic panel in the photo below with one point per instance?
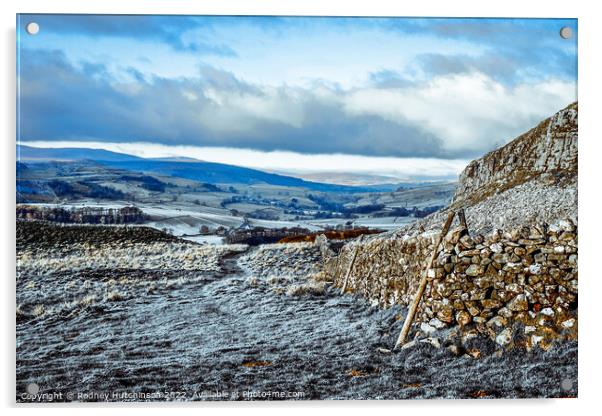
(295, 208)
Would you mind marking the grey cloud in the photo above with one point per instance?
(388, 78)
(61, 102)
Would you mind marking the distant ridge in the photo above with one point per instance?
(187, 168)
(38, 154)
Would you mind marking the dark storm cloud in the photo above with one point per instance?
(60, 101)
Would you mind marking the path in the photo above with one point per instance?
(222, 335)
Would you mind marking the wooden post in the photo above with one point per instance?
(350, 266)
(336, 269)
(414, 305)
(462, 219)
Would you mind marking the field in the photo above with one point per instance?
(230, 323)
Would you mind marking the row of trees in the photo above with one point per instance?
(84, 215)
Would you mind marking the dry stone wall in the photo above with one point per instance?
(527, 275)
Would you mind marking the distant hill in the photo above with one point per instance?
(216, 173)
(206, 172)
(37, 154)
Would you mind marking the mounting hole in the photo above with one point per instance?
(566, 33)
(33, 389)
(32, 28)
(567, 384)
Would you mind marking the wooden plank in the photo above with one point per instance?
(414, 305)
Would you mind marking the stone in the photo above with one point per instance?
(497, 322)
(468, 335)
(467, 242)
(569, 323)
(427, 329)
(505, 312)
(491, 303)
(520, 251)
(436, 323)
(504, 338)
(463, 318)
(475, 270)
(566, 236)
(536, 339)
(469, 253)
(519, 303)
(472, 309)
(496, 248)
(474, 353)
(446, 314)
(529, 329)
(500, 258)
(454, 349)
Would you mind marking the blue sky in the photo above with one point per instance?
(442, 90)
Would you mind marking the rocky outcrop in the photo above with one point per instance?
(549, 149)
(531, 179)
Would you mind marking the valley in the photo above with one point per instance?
(203, 201)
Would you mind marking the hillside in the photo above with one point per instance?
(515, 265)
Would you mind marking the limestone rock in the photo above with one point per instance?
(504, 338)
(474, 270)
(519, 303)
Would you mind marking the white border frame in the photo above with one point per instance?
(590, 72)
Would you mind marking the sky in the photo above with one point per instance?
(399, 97)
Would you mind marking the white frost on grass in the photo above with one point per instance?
(157, 256)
